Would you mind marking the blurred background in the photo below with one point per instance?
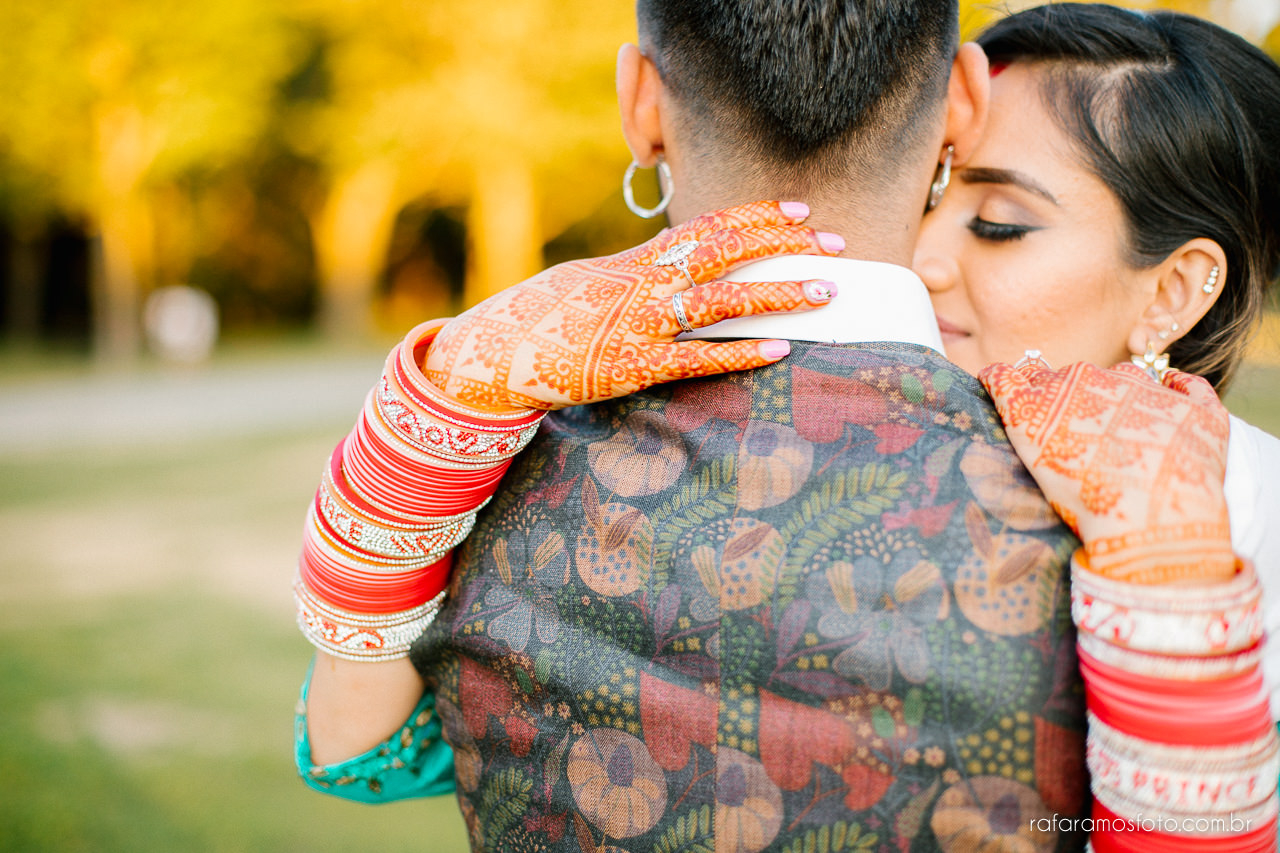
(214, 220)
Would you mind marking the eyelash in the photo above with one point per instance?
(998, 232)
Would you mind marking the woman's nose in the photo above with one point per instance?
(937, 270)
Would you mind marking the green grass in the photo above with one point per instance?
(149, 662)
(1255, 396)
(163, 722)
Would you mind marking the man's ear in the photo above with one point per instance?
(968, 99)
(1186, 288)
(640, 102)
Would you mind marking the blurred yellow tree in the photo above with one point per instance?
(482, 105)
(504, 109)
(109, 100)
(975, 15)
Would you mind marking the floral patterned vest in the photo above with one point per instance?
(819, 606)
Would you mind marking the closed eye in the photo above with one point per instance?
(998, 232)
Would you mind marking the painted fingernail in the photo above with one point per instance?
(794, 209)
(830, 242)
(774, 349)
(820, 291)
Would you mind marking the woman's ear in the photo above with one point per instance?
(639, 88)
(968, 100)
(1188, 282)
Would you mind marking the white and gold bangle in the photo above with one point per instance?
(1170, 619)
(460, 444)
(377, 538)
(361, 636)
(1182, 780)
(1179, 667)
(348, 554)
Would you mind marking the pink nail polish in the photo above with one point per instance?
(794, 209)
(820, 291)
(830, 242)
(774, 349)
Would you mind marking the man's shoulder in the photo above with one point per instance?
(817, 389)
(902, 375)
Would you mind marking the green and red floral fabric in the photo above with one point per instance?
(817, 606)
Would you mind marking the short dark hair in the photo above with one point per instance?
(1181, 120)
(790, 80)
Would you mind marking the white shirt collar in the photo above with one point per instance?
(876, 302)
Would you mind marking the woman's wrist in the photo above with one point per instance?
(351, 707)
(1189, 553)
(436, 358)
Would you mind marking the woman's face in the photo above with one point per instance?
(1025, 250)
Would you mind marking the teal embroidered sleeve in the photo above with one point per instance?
(413, 762)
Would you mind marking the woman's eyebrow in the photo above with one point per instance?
(1006, 176)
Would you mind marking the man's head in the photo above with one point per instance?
(801, 97)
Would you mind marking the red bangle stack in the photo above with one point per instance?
(1182, 750)
(399, 492)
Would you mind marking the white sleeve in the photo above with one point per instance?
(1253, 501)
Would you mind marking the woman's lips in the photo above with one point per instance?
(949, 329)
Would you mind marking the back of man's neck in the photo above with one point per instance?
(883, 230)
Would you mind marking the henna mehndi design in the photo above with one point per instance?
(1135, 467)
(597, 329)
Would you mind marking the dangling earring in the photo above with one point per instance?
(941, 179)
(1154, 364)
(664, 187)
(1211, 283)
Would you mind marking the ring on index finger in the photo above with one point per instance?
(677, 304)
(678, 256)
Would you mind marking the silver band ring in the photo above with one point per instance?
(677, 304)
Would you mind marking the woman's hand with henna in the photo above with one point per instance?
(1135, 467)
(597, 329)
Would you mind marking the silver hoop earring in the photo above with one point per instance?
(664, 187)
(941, 179)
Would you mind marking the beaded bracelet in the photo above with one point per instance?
(395, 442)
(376, 536)
(325, 539)
(1179, 727)
(445, 439)
(360, 636)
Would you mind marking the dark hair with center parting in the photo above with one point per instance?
(1181, 120)
(793, 85)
